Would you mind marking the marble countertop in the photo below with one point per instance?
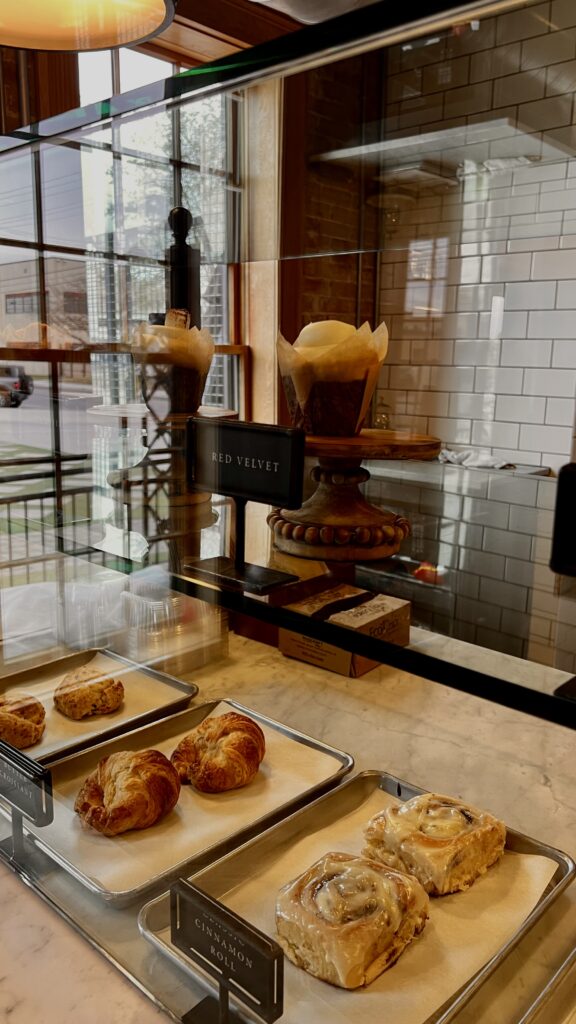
(522, 769)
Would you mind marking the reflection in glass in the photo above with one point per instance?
(19, 292)
(17, 198)
(77, 196)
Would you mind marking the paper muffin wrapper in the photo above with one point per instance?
(329, 387)
(192, 348)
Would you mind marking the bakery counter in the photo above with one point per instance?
(520, 768)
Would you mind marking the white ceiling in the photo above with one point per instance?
(311, 11)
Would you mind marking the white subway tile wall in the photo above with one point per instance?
(478, 278)
(489, 532)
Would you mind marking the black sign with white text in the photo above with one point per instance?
(25, 785)
(252, 461)
(242, 959)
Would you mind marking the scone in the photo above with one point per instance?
(221, 753)
(21, 720)
(444, 842)
(85, 692)
(128, 790)
(347, 918)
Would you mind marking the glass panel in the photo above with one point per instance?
(95, 76)
(68, 308)
(77, 196)
(105, 291)
(138, 69)
(17, 197)
(19, 293)
(427, 184)
(144, 198)
(409, 186)
(203, 133)
(150, 136)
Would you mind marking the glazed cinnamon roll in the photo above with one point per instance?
(346, 919)
(444, 842)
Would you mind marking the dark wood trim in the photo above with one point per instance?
(292, 218)
(210, 32)
(10, 107)
(239, 21)
(53, 83)
(41, 85)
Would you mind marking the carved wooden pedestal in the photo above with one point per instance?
(337, 523)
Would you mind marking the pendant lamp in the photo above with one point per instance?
(81, 24)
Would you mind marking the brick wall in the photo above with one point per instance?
(327, 220)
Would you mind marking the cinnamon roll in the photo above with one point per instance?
(444, 842)
(346, 919)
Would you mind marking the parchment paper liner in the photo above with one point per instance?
(357, 358)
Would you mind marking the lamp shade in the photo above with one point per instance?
(82, 24)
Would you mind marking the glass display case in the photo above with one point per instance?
(414, 170)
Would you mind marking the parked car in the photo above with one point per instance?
(15, 386)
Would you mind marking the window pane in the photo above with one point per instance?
(77, 192)
(95, 76)
(151, 134)
(17, 198)
(68, 297)
(146, 201)
(19, 295)
(138, 69)
(203, 133)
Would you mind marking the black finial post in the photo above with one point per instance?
(183, 272)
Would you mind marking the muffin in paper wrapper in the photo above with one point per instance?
(329, 375)
(192, 349)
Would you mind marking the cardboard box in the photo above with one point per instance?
(377, 615)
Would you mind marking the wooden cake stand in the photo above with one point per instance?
(337, 523)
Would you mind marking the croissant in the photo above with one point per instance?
(128, 790)
(444, 842)
(220, 753)
(346, 919)
(21, 720)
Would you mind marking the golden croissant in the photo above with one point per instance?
(128, 790)
(220, 753)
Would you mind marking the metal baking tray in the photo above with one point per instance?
(224, 881)
(148, 695)
(202, 826)
(556, 1000)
